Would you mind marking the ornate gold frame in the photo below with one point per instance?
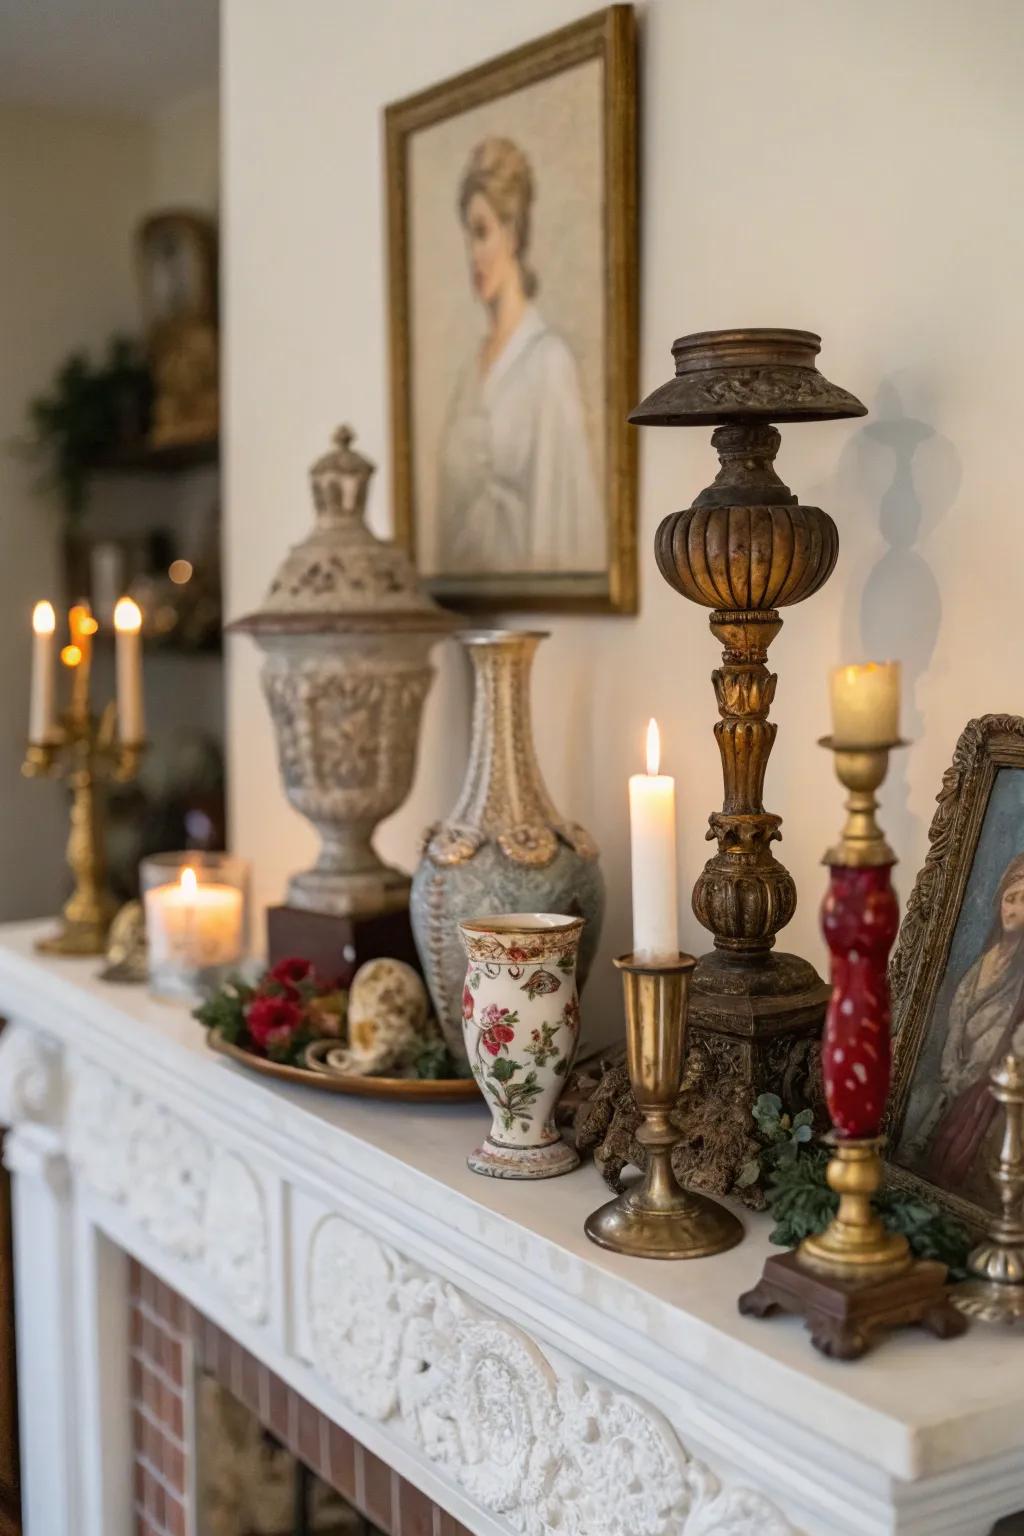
(922, 951)
(609, 35)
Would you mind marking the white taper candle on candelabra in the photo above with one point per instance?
(652, 824)
(130, 713)
(42, 716)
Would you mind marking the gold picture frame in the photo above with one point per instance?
(975, 841)
(608, 37)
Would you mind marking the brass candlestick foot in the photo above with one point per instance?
(995, 1292)
(855, 1246)
(659, 1219)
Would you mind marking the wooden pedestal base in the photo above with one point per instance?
(846, 1318)
(338, 946)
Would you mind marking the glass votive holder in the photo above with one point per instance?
(197, 920)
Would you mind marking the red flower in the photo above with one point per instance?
(571, 1013)
(498, 1035)
(272, 1021)
(515, 953)
(290, 971)
(467, 1003)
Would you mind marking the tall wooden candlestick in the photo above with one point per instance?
(745, 549)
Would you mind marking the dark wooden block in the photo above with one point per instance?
(338, 946)
(846, 1318)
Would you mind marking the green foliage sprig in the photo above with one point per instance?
(91, 411)
(792, 1167)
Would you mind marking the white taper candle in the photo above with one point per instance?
(42, 714)
(652, 823)
(130, 713)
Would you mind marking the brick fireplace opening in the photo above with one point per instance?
(179, 1363)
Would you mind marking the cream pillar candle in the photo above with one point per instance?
(652, 824)
(866, 704)
(130, 710)
(42, 714)
(193, 925)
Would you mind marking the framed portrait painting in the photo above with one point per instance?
(958, 975)
(512, 275)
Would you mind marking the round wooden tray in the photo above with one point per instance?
(415, 1090)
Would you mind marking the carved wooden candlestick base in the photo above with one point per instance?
(745, 549)
(855, 1281)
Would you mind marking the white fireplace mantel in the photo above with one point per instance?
(463, 1329)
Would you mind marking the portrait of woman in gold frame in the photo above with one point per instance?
(958, 975)
(512, 300)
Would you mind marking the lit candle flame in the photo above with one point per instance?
(127, 616)
(71, 655)
(188, 881)
(653, 747)
(44, 620)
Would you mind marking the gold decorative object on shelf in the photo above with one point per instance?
(127, 954)
(177, 257)
(658, 1218)
(995, 1291)
(87, 752)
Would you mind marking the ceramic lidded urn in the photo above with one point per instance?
(504, 847)
(346, 633)
(521, 1026)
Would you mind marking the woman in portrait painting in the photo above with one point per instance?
(517, 489)
(986, 1020)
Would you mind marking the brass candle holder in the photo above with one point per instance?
(995, 1292)
(658, 1218)
(86, 753)
(855, 1281)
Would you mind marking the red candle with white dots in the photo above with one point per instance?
(860, 919)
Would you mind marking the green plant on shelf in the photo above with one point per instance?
(91, 412)
(791, 1168)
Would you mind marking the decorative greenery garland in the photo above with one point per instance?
(791, 1167)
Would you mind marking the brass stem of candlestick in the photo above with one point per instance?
(855, 1245)
(995, 1293)
(86, 754)
(861, 770)
(658, 1218)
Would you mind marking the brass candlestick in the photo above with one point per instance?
(745, 549)
(658, 1218)
(855, 1281)
(86, 753)
(995, 1293)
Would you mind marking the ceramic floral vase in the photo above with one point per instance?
(521, 1027)
(504, 847)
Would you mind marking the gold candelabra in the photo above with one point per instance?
(86, 753)
(995, 1291)
(658, 1218)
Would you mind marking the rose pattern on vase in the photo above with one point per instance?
(504, 847)
(521, 1028)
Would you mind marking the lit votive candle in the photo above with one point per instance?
(195, 927)
(866, 704)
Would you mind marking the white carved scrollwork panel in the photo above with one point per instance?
(29, 1076)
(197, 1201)
(554, 1454)
(235, 1237)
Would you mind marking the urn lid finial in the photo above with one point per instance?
(341, 577)
(341, 478)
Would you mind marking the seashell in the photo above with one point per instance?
(387, 1016)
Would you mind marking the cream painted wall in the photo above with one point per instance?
(846, 168)
(185, 149)
(72, 187)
